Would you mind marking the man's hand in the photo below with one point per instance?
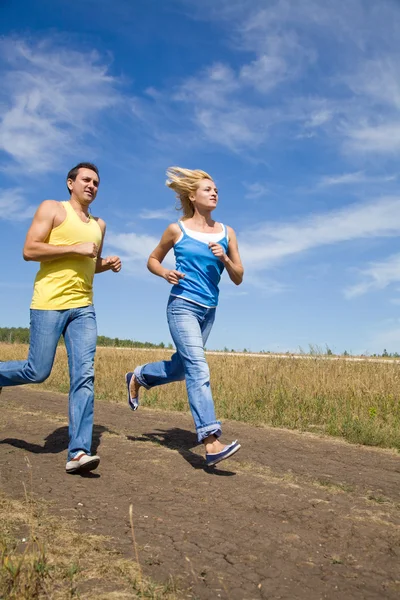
(89, 249)
(173, 277)
(114, 262)
(218, 251)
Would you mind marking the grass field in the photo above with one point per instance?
(46, 557)
(359, 401)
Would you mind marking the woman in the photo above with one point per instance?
(203, 248)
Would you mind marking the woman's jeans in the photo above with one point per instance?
(190, 326)
(79, 328)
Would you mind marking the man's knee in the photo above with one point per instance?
(38, 376)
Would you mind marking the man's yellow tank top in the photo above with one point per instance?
(67, 282)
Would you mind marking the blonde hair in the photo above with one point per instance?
(185, 182)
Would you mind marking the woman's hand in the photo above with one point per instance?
(218, 251)
(173, 277)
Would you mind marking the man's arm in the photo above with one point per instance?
(36, 248)
(112, 263)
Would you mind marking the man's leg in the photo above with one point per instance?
(46, 327)
(80, 336)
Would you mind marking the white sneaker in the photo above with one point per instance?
(82, 463)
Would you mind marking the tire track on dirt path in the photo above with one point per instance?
(292, 516)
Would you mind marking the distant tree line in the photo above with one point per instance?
(20, 335)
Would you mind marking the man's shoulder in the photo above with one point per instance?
(49, 209)
(51, 205)
(101, 223)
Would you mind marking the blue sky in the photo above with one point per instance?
(293, 107)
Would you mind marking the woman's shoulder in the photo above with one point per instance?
(173, 228)
(171, 233)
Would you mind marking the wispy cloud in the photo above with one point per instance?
(134, 249)
(377, 276)
(380, 217)
(292, 45)
(353, 178)
(14, 206)
(385, 335)
(166, 214)
(255, 190)
(378, 139)
(51, 98)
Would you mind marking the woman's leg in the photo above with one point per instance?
(160, 373)
(190, 325)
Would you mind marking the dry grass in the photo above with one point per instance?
(45, 557)
(359, 401)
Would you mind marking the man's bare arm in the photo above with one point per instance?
(36, 248)
(108, 263)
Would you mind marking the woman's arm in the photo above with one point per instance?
(168, 239)
(231, 260)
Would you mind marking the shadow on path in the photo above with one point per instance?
(183, 441)
(55, 442)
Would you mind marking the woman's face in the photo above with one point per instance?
(206, 195)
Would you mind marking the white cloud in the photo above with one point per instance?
(379, 79)
(386, 338)
(255, 190)
(134, 249)
(353, 178)
(379, 139)
(211, 87)
(377, 276)
(298, 46)
(51, 98)
(216, 107)
(380, 217)
(165, 214)
(14, 206)
(265, 73)
(318, 117)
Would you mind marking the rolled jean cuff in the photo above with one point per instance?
(138, 376)
(213, 429)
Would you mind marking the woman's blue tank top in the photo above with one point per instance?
(201, 268)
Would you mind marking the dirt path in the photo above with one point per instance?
(291, 516)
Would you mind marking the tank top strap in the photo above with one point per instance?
(181, 227)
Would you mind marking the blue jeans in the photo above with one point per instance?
(190, 326)
(79, 328)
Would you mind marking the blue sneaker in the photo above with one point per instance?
(133, 402)
(213, 459)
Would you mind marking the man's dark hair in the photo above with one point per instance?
(83, 165)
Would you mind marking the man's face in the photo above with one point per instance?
(85, 186)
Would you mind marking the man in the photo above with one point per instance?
(67, 241)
